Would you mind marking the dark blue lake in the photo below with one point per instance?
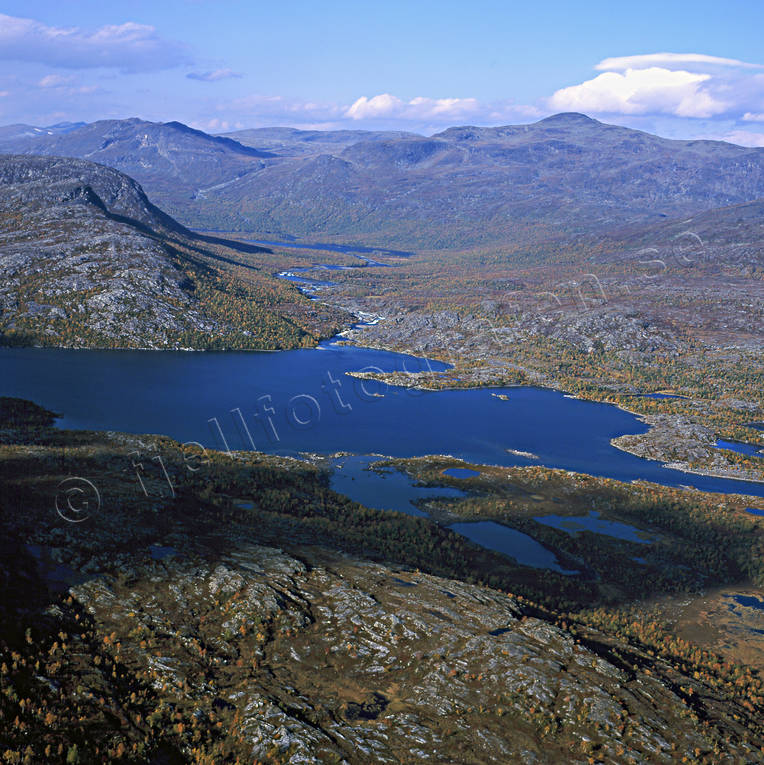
(297, 401)
(382, 489)
(659, 395)
(750, 601)
(389, 489)
(461, 472)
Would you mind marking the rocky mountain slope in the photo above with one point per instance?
(471, 186)
(172, 161)
(87, 260)
(361, 662)
(464, 187)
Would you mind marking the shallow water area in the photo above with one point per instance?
(573, 524)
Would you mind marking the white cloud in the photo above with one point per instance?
(214, 76)
(641, 91)
(419, 108)
(443, 108)
(65, 85)
(687, 96)
(383, 105)
(742, 137)
(620, 63)
(54, 81)
(278, 110)
(681, 85)
(216, 125)
(129, 47)
(436, 110)
(384, 111)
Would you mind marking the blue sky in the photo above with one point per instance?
(681, 69)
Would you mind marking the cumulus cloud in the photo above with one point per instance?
(753, 117)
(129, 47)
(683, 85)
(377, 106)
(641, 91)
(216, 125)
(387, 106)
(214, 76)
(437, 112)
(743, 138)
(384, 111)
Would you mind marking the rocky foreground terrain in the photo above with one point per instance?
(205, 624)
(314, 657)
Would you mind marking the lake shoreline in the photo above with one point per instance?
(684, 467)
(228, 380)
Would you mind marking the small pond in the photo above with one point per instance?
(385, 489)
(751, 450)
(523, 548)
(573, 524)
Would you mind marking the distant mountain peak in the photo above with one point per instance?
(456, 189)
(568, 118)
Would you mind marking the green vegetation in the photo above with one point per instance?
(19, 413)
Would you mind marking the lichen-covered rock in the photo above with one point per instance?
(328, 658)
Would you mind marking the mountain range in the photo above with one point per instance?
(463, 188)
